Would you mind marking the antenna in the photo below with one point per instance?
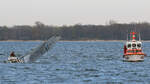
(127, 37)
(139, 36)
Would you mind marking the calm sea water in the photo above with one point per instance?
(74, 63)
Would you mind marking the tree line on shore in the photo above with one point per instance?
(40, 31)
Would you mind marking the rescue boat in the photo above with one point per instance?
(133, 49)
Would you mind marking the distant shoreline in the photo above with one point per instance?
(92, 40)
(18, 40)
(70, 40)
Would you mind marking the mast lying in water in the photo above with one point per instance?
(40, 50)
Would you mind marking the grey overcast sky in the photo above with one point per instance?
(68, 12)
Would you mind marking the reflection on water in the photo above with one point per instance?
(75, 63)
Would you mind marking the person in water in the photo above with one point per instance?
(12, 54)
(13, 58)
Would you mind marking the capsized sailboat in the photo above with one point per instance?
(133, 49)
(35, 53)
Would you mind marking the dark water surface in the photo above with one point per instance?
(75, 63)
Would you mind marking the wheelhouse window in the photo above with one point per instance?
(133, 45)
(129, 45)
(139, 45)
